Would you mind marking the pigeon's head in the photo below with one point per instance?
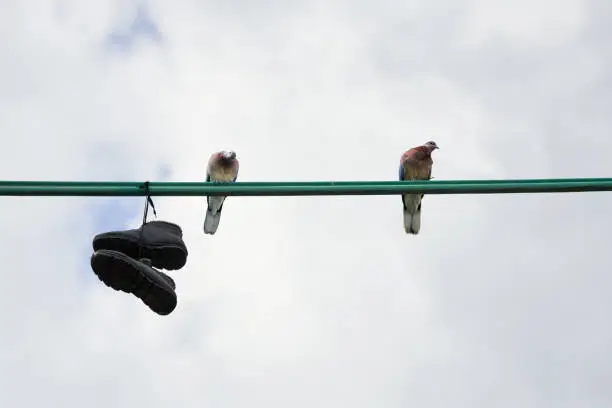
(228, 154)
(431, 145)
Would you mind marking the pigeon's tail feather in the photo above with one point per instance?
(412, 222)
(412, 214)
(211, 222)
(213, 214)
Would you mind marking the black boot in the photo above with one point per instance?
(120, 272)
(161, 242)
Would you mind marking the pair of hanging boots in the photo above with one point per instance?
(129, 260)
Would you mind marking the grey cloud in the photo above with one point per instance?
(502, 300)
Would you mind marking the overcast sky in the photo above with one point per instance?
(500, 301)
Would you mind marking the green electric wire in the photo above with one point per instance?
(310, 188)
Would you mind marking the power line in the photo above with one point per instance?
(310, 188)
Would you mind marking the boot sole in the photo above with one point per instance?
(120, 272)
(169, 257)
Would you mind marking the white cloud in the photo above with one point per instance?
(525, 22)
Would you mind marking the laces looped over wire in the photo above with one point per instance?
(148, 201)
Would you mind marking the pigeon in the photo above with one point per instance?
(222, 168)
(415, 164)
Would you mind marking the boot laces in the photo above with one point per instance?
(148, 201)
